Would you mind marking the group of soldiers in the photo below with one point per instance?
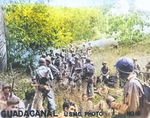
(73, 68)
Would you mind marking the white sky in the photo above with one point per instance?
(143, 4)
(140, 4)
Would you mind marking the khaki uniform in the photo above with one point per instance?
(133, 99)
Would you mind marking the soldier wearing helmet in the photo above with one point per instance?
(51, 53)
(43, 78)
(89, 49)
(53, 69)
(137, 69)
(43, 55)
(87, 84)
(5, 95)
(104, 73)
(58, 63)
(134, 94)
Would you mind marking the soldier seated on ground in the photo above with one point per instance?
(68, 107)
(104, 73)
(137, 69)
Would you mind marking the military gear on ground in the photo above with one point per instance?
(103, 90)
(6, 86)
(125, 65)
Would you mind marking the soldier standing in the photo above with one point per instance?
(88, 72)
(43, 78)
(58, 63)
(89, 49)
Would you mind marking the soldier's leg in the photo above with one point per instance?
(95, 80)
(84, 86)
(90, 89)
(101, 78)
(39, 103)
(51, 102)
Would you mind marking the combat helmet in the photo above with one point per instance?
(5, 86)
(125, 65)
(42, 61)
(48, 58)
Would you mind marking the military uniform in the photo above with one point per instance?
(87, 82)
(133, 99)
(41, 92)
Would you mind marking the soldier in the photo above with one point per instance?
(43, 78)
(83, 58)
(77, 64)
(137, 69)
(135, 97)
(104, 73)
(43, 55)
(89, 49)
(147, 70)
(63, 55)
(5, 95)
(68, 107)
(58, 64)
(51, 53)
(71, 62)
(88, 72)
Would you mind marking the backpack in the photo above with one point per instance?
(146, 90)
(89, 71)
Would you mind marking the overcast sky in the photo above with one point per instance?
(140, 4)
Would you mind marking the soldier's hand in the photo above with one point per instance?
(46, 87)
(109, 99)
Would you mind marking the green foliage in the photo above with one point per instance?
(35, 27)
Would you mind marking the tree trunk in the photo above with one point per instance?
(3, 54)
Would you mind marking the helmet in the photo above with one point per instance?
(42, 61)
(73, 54)
(134, 59)
(104, 62)
(56, 53)
(92, 63)
(44, 55)
(125, 65)
(48, 58)
(76, 57)
(88, 60)
(51, 50)
(6, 86)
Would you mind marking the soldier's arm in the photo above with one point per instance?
(108, 71)
(121, 108)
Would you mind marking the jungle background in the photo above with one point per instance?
(32, 28)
